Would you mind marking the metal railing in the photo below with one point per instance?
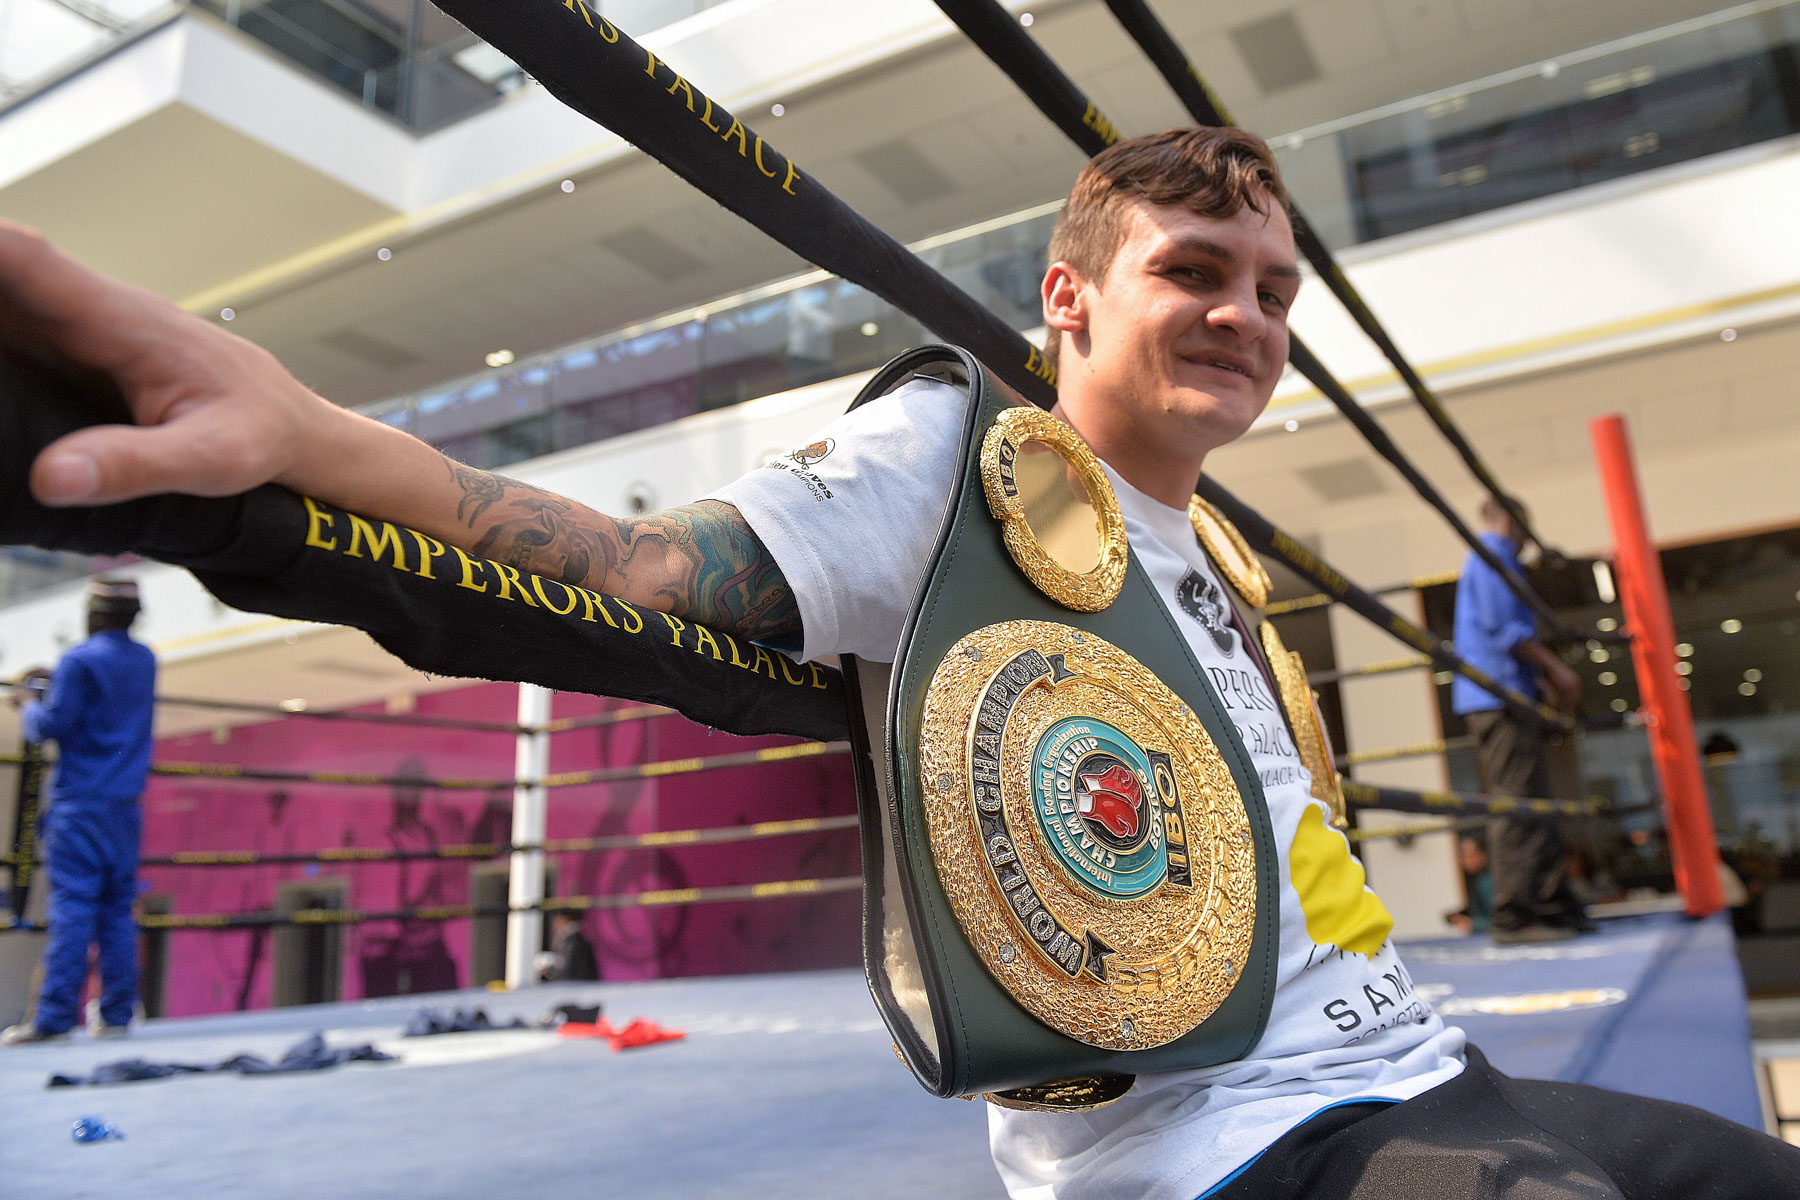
(1673, 94)
(798, 331)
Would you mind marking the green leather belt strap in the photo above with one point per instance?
(979, 1038)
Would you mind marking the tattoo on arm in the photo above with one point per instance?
(480, 489)
(700, 561)
(704, 561)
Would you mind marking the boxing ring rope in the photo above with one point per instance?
(775, 890)
(1269, 540)
(1386, 666)
(1277, 608)
(523, 908)
(655, 840)
(1415, 750)
(234, 773)
(589, 64)
(282, 710)
(1056, 96)
(1006, 43)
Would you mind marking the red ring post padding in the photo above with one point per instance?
(1693, 847)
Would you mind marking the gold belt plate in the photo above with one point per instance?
(1088, 834)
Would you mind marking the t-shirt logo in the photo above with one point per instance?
(1200, 598)
(806, 456)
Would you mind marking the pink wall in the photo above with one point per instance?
(216, 971)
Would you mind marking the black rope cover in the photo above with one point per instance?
(276, 552)
(588, 63)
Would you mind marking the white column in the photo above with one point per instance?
(525, 930)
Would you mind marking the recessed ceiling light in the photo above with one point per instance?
(499, 358)
(870, 329)
(778, 110)
(1292, 426)
(567, 185)
(1599, 656)
(1606, 624)
(1753, 675)
(1728, 335)
(1684, 668)
(1746, 688)
(228, 314)
(1684, 649)
(1026, 19)
(297, 704)
(1608, 678)
(384, 254)
(1619, 704)
(1731, 625)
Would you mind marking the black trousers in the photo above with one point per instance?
(1526, 853)
(1487, 1136)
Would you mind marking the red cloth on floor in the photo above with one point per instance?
(641, 1032)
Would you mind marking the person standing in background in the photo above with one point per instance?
(570, 958)
(1496, 632)
(98, 710)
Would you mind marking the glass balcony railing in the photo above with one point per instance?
(1729, 79)
(404, 58)
(786, 335)
(45, 40)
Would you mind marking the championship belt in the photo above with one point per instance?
(1070, 873)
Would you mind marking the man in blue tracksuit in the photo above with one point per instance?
(98, 712)
(1496, 632)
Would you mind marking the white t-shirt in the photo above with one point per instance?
(851, 521)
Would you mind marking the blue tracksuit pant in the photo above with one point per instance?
(92, 849)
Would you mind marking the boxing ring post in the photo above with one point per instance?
(525, 885)
(1693, 847)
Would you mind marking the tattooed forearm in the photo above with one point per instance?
(480, 489)
(531, 529)
(700, 561)
(703, 561)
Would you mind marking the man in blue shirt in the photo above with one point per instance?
(98, 712)
(1496, 632)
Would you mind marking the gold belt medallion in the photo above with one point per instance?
(1302, 708)
(1088, 834)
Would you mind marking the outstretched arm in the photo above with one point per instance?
(699, 560)
(217, 416)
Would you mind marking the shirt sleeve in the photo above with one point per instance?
(851, 519)
(1501, 616)
(51, 718)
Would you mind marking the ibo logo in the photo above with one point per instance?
(1096, 798)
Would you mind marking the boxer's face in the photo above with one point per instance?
(1186, 335)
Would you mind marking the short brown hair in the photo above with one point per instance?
(1211, 170)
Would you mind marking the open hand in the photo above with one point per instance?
(216, 415)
